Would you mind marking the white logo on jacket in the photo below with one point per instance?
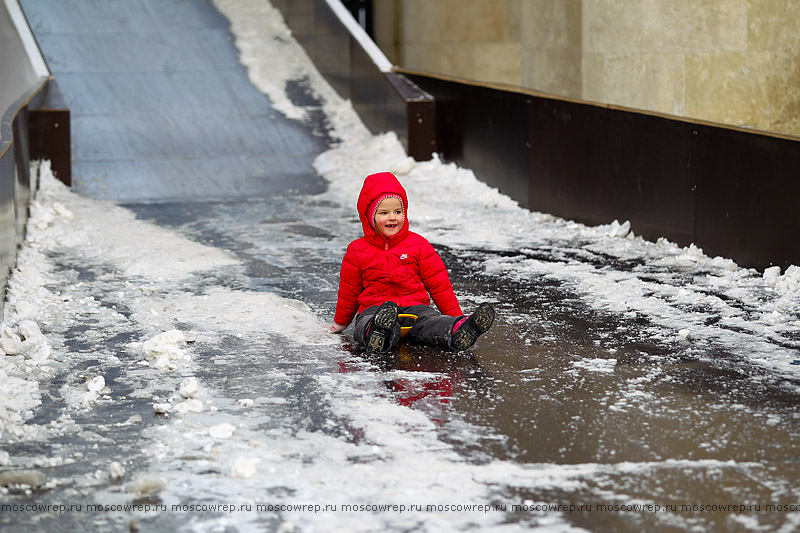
(403, 256)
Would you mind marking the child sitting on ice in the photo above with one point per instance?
(389, 276)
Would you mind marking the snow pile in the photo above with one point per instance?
(25, 353)
(253, 40)
(788, 282)
(23, 478)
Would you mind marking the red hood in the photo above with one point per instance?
(374, 186)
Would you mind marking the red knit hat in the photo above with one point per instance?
(373, 206)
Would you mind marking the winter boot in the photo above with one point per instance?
(380, 329)
(466, 331)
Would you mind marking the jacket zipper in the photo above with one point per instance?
(391, 272)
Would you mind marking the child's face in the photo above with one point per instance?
(389, 217)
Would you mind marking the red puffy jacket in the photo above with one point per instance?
(404, 268)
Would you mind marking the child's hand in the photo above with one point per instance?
(336, 328)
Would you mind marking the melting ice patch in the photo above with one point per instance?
(596, 365)
(155, 271)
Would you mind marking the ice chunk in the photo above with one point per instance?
(116, 470)
(10, 346)
(244, 467)
(36, 349)
(25, 309)
(189, 406)
(62, 211)
(29, 329)
(771, 275)
(161, 408)
(189, 387)
(164, 349)
(790, 281)
(134, 419)
(146, 484)
(596, 365)
(404, 166)
(619, 230)
(89, 397)
(30, 478)
(7, 332)
(222, 431)
(96, 384)
(167, 343)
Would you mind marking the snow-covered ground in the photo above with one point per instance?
(236, 395)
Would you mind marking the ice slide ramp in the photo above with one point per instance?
(161, 108)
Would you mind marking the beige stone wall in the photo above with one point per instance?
(475, 39)
(552, 45)
(731, 61)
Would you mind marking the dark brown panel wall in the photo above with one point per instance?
(50, 131)
(748, 186)
(593, 165)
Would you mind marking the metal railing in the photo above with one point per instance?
(35, 125)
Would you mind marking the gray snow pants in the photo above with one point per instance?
(430, 327)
